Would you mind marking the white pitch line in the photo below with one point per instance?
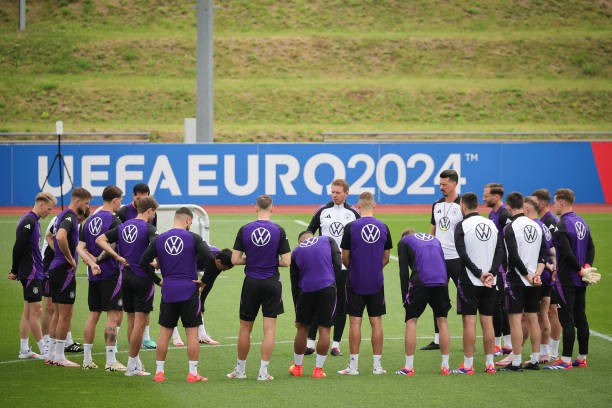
(393, 258)
(601, 335)
(300, 222)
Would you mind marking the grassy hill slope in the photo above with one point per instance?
(288, 70)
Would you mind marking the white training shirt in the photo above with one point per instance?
(525, 236)
(480, 239)
(445, 217)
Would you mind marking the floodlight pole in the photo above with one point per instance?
(204, 74)
(22, 15)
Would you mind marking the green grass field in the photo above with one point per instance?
(74, 387)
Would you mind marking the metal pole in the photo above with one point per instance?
(22, 15)
(204, 74)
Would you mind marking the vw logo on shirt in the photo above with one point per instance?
(130, 233)
(444, 223)
(174, 245)
(260, 236)
(580, 230)
(423, 237)
(309, 242)
(95, 226)
(370, 233)
(336, 229)
(530, 233)
(483, 232)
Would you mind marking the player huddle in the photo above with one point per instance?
(511, 268)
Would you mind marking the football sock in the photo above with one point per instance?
(498, 342)
(581, 357)
(87, 353)
(377, 361)
(489, 359)
(159, 366)
(354, 361)
(146, 335)
(320, 360)
(298, 359)
(69, 339)
(535, 358)
(175, 334)
(41, 346)
(468, 362)
(202, 331)
(507, 341)
(409, 362)
(544, 349)
(51, 355)
(437, 338)
(310, 343)
(553, 347)
(445, 358)
(566, 360)
(110, 355)
(516, 359)
(131, 364)
(263, 368)
(241, 365)
(193, 367)
(335, 344)
(59, 350)
(24, 345)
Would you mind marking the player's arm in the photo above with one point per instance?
(405, 256)
(148, 256)
(336, 257)
(315, 222)
(345, 245)
(294, 275)
(62, 241)
(566, 254)
(203, 254)
(49, 239)
(590, 255)
(284, 251)
(388, 246)
(462, 251)
(105, 240)
(513, 255)
(238, 257)
(498, 257)
(432, 229)
(21, 244)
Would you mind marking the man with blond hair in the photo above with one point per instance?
(261, 246)
(366, 246)
(27, 267)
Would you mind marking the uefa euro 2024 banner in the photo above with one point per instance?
(221, 174)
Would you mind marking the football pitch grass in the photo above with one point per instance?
(31, 383)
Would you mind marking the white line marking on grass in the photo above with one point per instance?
(393, 258)
(300, 222)
(601, 335)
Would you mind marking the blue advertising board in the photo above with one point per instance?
(221, 174)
